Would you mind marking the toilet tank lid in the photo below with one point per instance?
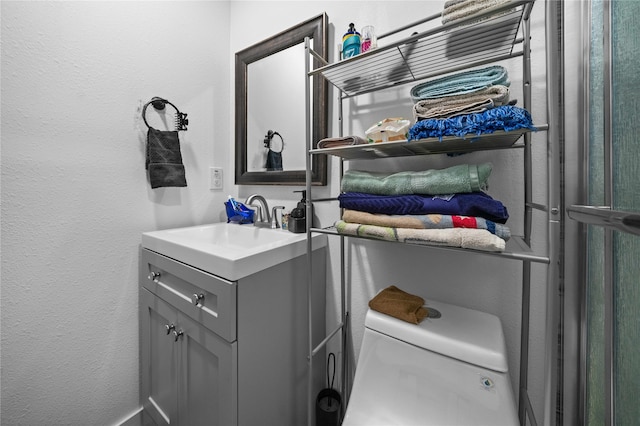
(461, 333)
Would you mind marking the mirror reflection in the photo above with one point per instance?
(275, 103)
(270, 123)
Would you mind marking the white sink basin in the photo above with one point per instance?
(230, 250)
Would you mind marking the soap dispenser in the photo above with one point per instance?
(297, 217)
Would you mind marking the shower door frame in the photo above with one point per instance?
(604, 217)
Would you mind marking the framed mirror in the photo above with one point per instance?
(270, 108)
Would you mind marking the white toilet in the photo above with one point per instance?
(450, 370)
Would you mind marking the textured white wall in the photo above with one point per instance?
(75, 198)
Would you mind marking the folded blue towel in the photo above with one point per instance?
(506, 118)
(464, 82)
(472, 204)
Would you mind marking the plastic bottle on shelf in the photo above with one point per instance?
(369, 39)
(350, 42)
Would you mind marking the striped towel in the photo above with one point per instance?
(428, 221)
(476, 239)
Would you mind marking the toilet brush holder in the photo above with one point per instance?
(329, 401)
(328, 406)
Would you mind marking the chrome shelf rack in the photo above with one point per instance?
(497, 34)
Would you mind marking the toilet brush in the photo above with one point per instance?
(329, 401)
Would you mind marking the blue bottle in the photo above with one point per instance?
(350, 42)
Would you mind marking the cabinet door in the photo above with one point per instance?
(208, 380)
(158, 359)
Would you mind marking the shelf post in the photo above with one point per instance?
(307, 88)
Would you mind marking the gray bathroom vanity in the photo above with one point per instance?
(226, 351)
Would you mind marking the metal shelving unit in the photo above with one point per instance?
(480, 39)
(516, 247)
(475, 41)
(446, 145)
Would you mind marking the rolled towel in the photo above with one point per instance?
(399, 304)
(477, 204)
(429, 221)
(503, 118)
(464, 82)
(164, 160)
(462, 178)
(338, 142)
(461, 104)
(475, 239)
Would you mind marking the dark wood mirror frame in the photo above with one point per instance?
(316, 29)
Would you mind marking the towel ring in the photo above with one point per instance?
(181, 120)
(267, 140)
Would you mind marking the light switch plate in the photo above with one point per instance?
(215, 177)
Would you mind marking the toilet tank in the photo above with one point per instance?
(465, 334)
(447, 370)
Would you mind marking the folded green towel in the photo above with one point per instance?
(463, 178)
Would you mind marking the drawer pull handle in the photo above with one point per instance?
(169, 327)
(197, 298)
(154, 276)
(177, 335)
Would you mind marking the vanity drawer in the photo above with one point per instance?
(206, 298)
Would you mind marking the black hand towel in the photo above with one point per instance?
(164, 161)
(274, 161)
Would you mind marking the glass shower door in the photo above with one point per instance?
(611, 352)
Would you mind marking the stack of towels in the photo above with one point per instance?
(455, 10)
(470, 102)
(445, 207)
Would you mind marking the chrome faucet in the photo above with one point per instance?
(263, 219)
(262, 210)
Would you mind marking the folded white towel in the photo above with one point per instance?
(457, 9)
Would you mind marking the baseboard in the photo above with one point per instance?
(134, 419)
